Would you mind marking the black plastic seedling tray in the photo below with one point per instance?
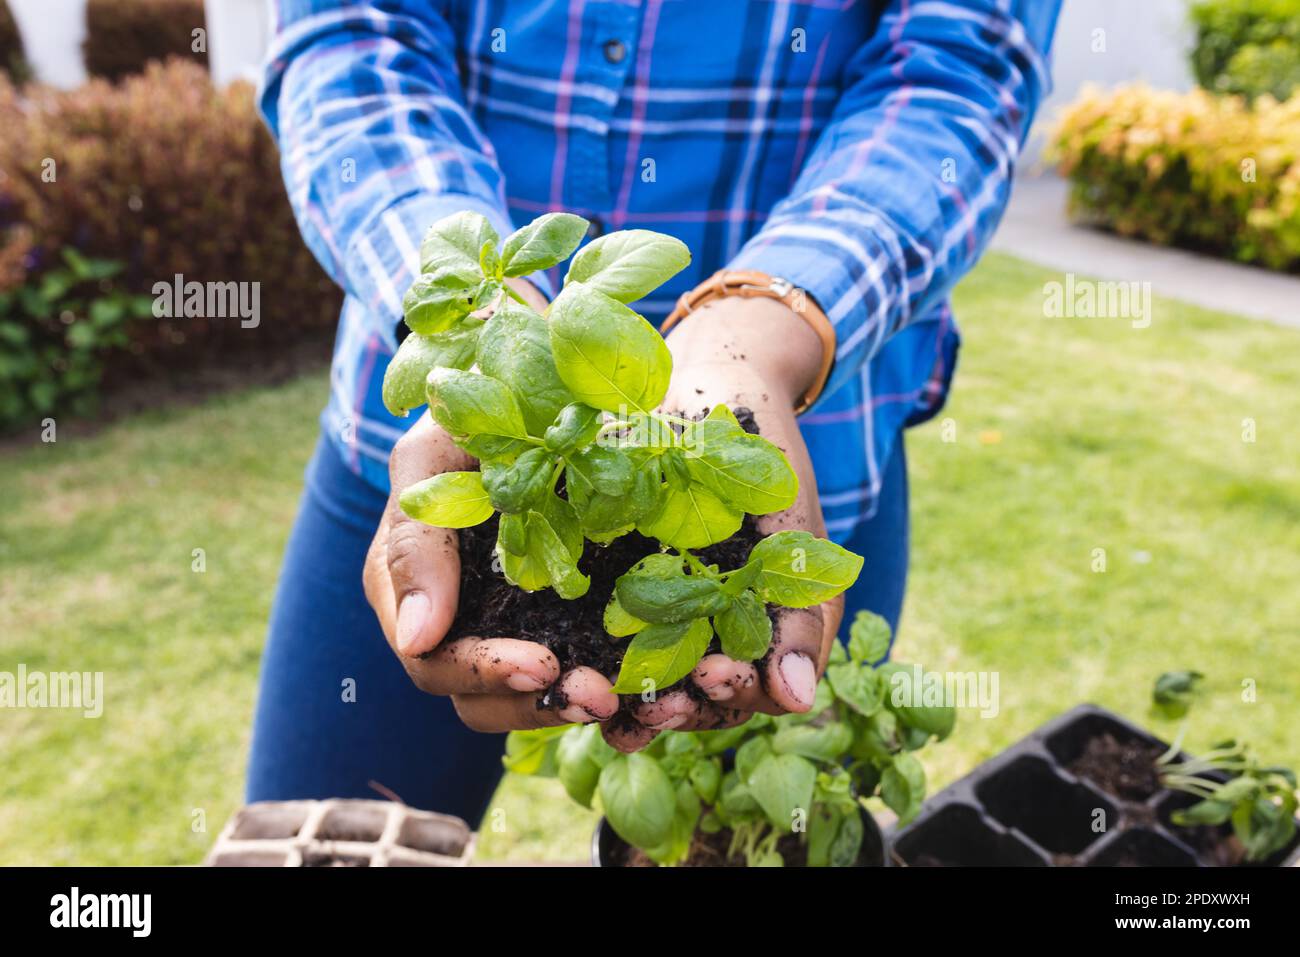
(1026, 808)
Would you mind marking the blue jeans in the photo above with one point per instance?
(336, 714)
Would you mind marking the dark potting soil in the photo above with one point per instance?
(326, 859)
(573, 630)
(710, 850)
(1126, 769)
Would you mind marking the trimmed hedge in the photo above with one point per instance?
(163, 174)
(13, 60)
(1247, 47)
(124, 36)
(1187, 169)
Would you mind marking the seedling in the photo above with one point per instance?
(1174, 691)
(1231, 785)
(806, 775)
(561, 411)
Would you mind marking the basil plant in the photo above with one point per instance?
(572, 395)
(807, 775)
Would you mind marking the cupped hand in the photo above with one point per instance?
(756, 354)
(412, 580)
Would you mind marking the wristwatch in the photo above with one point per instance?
(750, 284)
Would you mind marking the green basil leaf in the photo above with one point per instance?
(576, 426)
(822, 827)
(736, 802)
(858, 687)
(607, 355)
(902, 787)
(488, 292)
(512, 535)
(716, 742)
(417, 356)
(848, 840)
(661, 655)
(560, 515)
(828, 742)
(447, 500)
(528, 570)
(638, 799)
(665, 599)
(437, 301)
(605, 517)
(906, 697)
(489, 260)
(580, 756)
(876, 738)
(783, 785)
(741, 578)
(695, 518)
(547, 240)
(722, 413)
(868, 638)
(676, 472)
(515, 348)
(801, 570)
(532, 752)
(686, 816)
(545, 545)
(744, 629)
(455, 244)
(479, 413)
(605, 471)
(750, 754)
(1208, 811)
(519, 485)
(1174, 691)
(629, 264)
(705, 776)
(618, 622)
(746, 471)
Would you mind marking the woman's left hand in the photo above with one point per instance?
(755, 354)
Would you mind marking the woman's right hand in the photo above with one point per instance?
(412, 580)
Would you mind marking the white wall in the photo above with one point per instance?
(1138, 40)
(52, 32)
(239, 32)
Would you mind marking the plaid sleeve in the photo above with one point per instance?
(909, 179)
(375, 140)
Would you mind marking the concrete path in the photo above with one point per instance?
(1035, 228)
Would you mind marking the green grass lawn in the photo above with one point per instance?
(1070, 436)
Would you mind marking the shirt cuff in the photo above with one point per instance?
(856, 279)
(384, 258)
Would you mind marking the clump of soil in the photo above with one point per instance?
(1126, 769)
(574, 631)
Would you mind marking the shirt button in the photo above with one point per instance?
(615, 51)
(595, 228)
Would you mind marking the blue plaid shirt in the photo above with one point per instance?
(863, 151)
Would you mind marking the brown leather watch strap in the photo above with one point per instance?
(749, 284)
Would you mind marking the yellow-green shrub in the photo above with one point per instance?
(1186, 169)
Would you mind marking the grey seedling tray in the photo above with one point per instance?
(340, 833)
(1025, 808)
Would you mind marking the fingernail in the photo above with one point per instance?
(411, 616)
(576, 715)
(676, 721)
(719, 692)
(524, 682)
(800, 677)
